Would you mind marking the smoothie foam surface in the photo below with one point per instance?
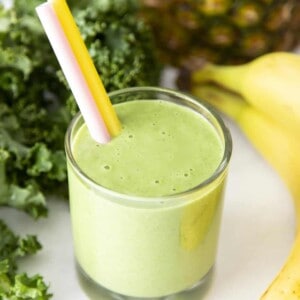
(163, 149)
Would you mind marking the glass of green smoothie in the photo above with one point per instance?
(146, 207)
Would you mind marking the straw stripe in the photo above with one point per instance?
(87, 66)
(71, 70)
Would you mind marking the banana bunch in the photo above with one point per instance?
(263, 98)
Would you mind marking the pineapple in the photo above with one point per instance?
(221, 31)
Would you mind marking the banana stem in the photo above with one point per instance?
(229, 77)
(226, 102)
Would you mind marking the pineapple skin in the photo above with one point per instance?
(189, 32)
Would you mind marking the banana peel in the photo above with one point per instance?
(286, 286)
(281, 149)
(269, 83)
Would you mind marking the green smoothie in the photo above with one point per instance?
(164, 149)
(141, 227)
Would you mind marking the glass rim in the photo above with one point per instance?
(172, 197)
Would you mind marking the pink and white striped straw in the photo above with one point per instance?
(72, 72)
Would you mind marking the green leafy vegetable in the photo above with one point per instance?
(18, 286)
(33, 113)
(120, 44)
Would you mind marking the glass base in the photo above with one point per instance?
(94, 291)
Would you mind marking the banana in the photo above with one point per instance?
(270, 83)
(281, 149)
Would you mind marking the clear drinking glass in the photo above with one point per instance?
(147, 246)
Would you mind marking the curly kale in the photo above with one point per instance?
(18, 286)
(28, 80)
(33, 114)
(120, 44)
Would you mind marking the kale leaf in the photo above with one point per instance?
(33, 113)
(14, 286)
(120, 43)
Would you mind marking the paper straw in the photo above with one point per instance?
(72, 72)
(86, 65)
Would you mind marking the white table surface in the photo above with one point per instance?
(257, 232)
